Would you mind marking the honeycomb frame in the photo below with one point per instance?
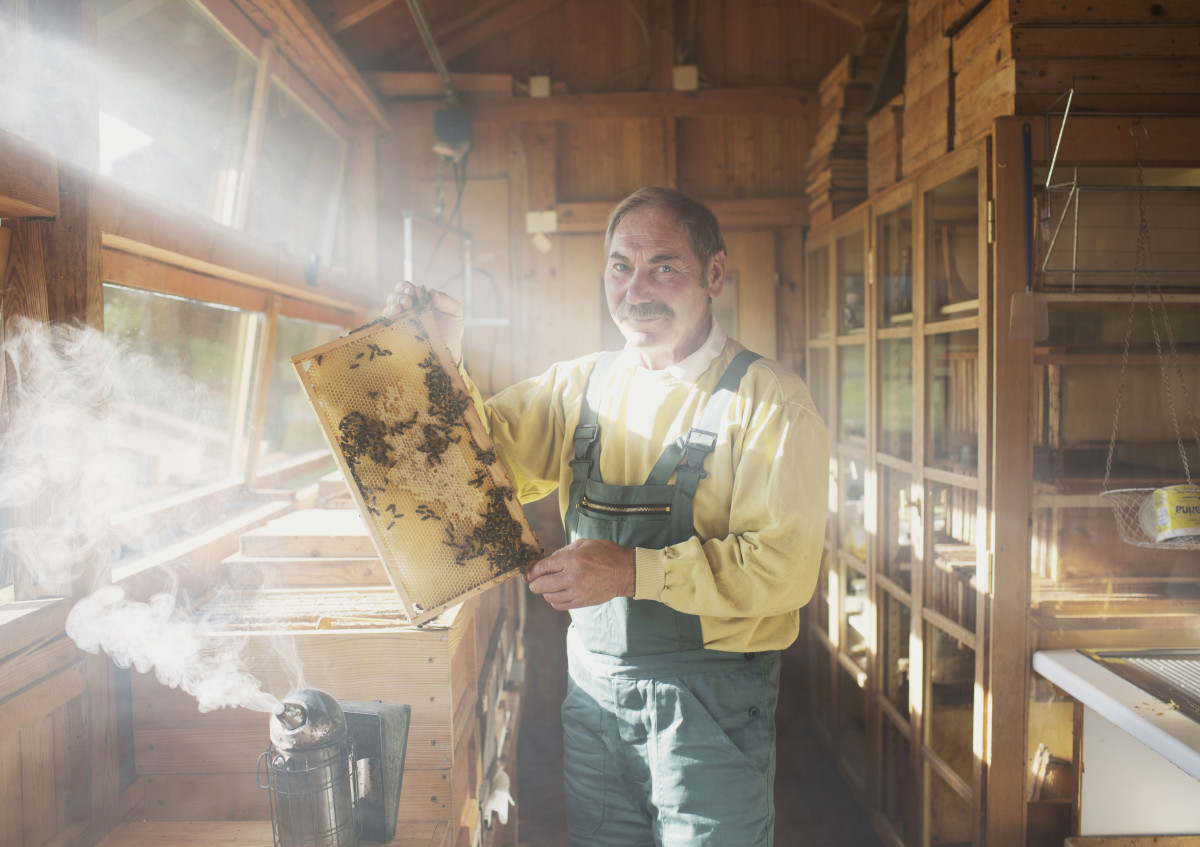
(437, 503)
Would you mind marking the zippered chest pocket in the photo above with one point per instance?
(618, 511)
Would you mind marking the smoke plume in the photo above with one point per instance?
(75, 464)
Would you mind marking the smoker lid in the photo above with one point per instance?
(307, 718)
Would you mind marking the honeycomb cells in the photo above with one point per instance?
(437, 503)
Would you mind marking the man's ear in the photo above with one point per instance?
(716, 274)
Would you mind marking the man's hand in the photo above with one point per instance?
(447, 313)
(586, 572)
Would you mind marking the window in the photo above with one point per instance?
(175, 98)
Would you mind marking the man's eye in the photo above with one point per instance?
(620, 266)
(665, 269)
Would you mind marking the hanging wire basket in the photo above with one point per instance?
(1148, 517)
(1137, 520)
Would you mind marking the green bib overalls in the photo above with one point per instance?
(666, 743)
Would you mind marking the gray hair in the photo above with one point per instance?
(698, 222)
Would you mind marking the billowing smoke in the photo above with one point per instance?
(157, 636)
(77, 458)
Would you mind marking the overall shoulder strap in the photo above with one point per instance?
(586, 437)
(687, 453)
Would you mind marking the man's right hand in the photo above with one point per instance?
(447, 313)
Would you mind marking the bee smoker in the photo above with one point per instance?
(334, 769)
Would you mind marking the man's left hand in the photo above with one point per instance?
(586, 572)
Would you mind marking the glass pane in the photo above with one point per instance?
(852, 393)
(1103, 329)
(896, 397)
(851, 282)
(952, 400)
(290, 427)
(294, 200)
(952, 248)
(856, 616)
(950, 706)
(951, 583)
(899, 799)
(819, 318)
(951, 819)
(894, 232)
(196, 347)
(896, 525)
(894, 629)
(852, 520)
(175, 94)
(818, 379)
(852, 724)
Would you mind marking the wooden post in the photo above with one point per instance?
(548, 325)
(361, 181)
(254, 132)
(1012, 480)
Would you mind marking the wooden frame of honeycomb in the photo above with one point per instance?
(418, 460)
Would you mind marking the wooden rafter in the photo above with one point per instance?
(857, 12)
(362, 10)
(486, 22)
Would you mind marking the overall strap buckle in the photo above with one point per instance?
(698, 445)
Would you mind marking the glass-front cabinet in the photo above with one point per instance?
(897, 304)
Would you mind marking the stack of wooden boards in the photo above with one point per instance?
(968, 63)
(311, 597)
(1020, 56)
(836, 174)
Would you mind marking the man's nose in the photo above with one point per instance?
(640, 288)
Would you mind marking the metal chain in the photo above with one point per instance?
(1144, 274)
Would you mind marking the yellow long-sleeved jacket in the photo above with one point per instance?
(760, 513)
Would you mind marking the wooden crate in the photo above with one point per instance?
(928, 103)
(1021, 56)
(352, 641)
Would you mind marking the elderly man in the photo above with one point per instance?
(692, 480)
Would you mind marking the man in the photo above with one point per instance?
(692, 481)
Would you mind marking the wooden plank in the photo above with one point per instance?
(22, 669)
(144, 833)
(414, 84)
(1106, 42)
(138, 225)
(1105, 141)
(274, 572)
(196, 748)
(317, 56)
(41, 699)
(1104, 12)
(11, 823)
(1011, 463)
(28, 179)
(747, 213)
(486, 23)
(957, 13)
(37, 780)
(1109, 76)
(29, 623)
(646, 104)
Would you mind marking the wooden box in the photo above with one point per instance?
(314, 628)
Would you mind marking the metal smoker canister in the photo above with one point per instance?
(310, 773)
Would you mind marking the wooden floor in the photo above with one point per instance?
(814, 806)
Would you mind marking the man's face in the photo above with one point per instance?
(654, 285)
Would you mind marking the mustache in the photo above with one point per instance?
(643, 311)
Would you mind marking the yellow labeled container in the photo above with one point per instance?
(1177, 512)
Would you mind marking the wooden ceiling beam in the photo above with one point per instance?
(781, 101)
(394, 84)
(28, 180)
(857, 12)
(364, 10)
(488, 21)
(746, 213)
(310, 47)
